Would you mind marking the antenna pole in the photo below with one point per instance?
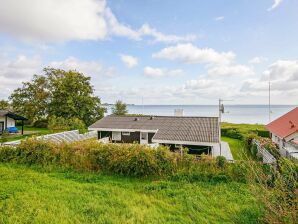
(219, 124)
(269, 100)
(143, 105)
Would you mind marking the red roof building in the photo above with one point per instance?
(286, 125)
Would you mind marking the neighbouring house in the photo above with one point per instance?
(284, 132)
(198, 134)
(8, 120)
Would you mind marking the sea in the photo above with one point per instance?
(244, 114)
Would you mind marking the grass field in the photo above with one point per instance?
(238, 149)
(33, 195)
(35, 132)
(244, 128)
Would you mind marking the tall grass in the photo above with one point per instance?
(275, 187)
(124, 159)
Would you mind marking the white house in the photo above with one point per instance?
(284, 132)
(200, 135)
(8, 119)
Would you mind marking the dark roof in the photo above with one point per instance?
(170, 128)
(11, 115)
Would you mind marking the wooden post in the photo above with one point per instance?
(5, 122)
(181, 151)
(22, 127)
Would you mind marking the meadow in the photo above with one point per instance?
(53, 195)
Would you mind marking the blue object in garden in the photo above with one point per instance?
(12, 130)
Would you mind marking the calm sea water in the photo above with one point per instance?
(250, 114)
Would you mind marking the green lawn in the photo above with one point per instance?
(244, 128)
(30, 195)
(37, 131)
(238, 149)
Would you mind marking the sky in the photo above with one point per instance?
(157, 51)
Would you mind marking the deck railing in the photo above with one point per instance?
(266, 156)
(66, 136)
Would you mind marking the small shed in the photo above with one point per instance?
(8, 119)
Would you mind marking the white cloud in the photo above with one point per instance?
(230, 70)
(188, 53)
(146, 30)
(199, 84)
(56, 20)
(275, 4)
(90, 68)
(257, 60)
(118, 29)
(283, 76)
(19, 68)
(129, 60)
(282, 70)
(15, 71)
(219, 18)
(161, 72)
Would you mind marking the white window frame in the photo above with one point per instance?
(126, 133)
(116, 136)
(145, 140)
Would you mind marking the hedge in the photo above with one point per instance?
(124, 159)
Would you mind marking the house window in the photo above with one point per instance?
(144, 135)
(116, 136)
(178, 146)
(126, 133)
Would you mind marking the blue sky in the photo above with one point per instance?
(166, 52)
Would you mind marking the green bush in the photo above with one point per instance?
(221, 161)
(262, 133)
(231, 133)
(76, 124)
(123, 159)
(62, 124)
(58, 123)
(254, 150)
(4, 136)
(41, 123)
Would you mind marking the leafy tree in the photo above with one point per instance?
(66, 94)
(119, 108)
(58, 124)
(63, 124)
(31, 100)
(71, 95)
(4, 105)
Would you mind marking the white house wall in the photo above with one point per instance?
(10, 122)
(293, 136)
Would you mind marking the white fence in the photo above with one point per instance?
(267, 157)
(66, 136)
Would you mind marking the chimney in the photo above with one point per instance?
(292, 124)
(178, 112)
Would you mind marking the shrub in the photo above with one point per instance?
(254, 150)
(60, 123)
(76, 124)
(41, 123)
(124, 159)
(262, 133)
(231, 133)
(4, 136)
(221, 161)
